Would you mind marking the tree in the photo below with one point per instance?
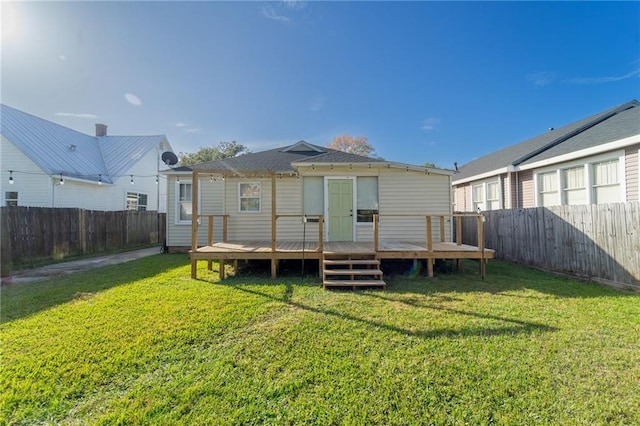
(212, 153)
(359, 145)
(431, 166)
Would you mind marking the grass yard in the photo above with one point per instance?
(142, 343)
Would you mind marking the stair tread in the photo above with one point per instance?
(347, 283)
(352, 272)
(351, 262)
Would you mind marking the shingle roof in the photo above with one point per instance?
(59, 150)
(612, 124)
(279, 160)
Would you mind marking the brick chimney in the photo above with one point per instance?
(101, 129)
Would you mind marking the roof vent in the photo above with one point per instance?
(101, 129)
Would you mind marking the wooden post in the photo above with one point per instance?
(273, 213)
(274, 262)
(224, 228)
(210, 240)
(481, 245)
(321, 233)
(321, 244)
(194, 222)
(429, 248)
(459, 230)
(210, 231)
(442, 229)
(376, 229)
(221, 271)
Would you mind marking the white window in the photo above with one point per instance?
(574, 185)
(548, 189)
(606, 182)
(477, 197)
(10, 198)
(136, 201)
(493, 195)
(313, 195)
(183, 199)
(367, 192)
(249, 197)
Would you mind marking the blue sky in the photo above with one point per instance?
(424, 81)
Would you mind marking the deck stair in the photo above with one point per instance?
(351, 270)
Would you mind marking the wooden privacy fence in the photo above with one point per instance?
(33, 233)
(599, 242)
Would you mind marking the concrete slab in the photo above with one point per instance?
(73, 266)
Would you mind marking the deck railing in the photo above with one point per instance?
(225, 221)
(429, 227)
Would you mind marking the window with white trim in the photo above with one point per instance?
(184, 202)
(313, 195)
(136, 201)
(11, 198)
(606, 182)
(367, 192)
(548, 189)
(477, 197)
(574, 186)
(493, 195)
(249, 195)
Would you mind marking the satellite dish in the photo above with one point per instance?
(169, 158)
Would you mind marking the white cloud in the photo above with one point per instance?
(132, 99)
(607, 79)
(430, 123)
(193, 130)
(181, 125)
(541, 79)
(62, 57)
(270, 13)
(76, 115)
(294, 4)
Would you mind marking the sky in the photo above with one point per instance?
(437, 82)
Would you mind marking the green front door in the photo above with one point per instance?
(340, 210)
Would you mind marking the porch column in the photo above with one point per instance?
(194, 222)
(274, 262)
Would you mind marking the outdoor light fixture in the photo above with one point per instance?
(131, 180)
(11, 177)
(61, 180)
(100, 179)
(156, 179)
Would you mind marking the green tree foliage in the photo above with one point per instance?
(432, 166)
(212, 153)
(359, 145)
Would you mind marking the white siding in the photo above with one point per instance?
(245, 225)
(34, 187)
(413, 193)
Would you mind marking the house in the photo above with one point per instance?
(592, 161)
(307, 200)
(44, 164)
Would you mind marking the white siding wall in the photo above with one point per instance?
(404, 192)
(245, 225)
(36, 189)
(33, 186)
(400, 192)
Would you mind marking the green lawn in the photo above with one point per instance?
(142, 343)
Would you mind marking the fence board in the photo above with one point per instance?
(35, 233)
(601, 242)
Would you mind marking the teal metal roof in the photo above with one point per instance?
(59, 150)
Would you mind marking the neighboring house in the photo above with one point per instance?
(346, 189)
(44, 164)
(591, 161)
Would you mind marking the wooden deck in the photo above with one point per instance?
(249, 250)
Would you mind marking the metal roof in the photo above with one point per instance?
(612, 124)
(59, 150)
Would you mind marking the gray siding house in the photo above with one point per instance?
(592, 161)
